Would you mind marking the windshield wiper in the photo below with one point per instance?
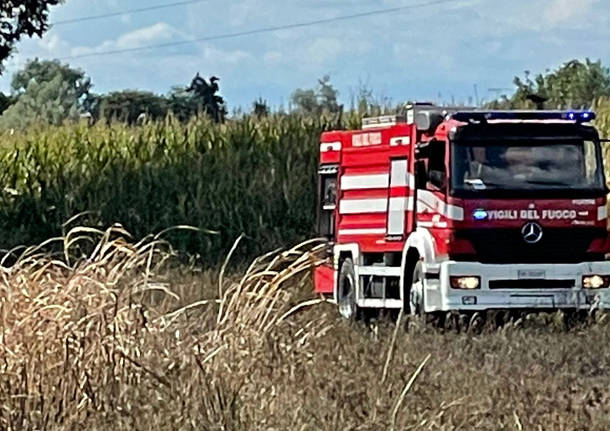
(547, 183)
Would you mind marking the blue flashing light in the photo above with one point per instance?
(578, 116)
(479, 214)
(581, 116)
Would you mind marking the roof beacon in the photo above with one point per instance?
(578, 116)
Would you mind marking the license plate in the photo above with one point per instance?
(550, 301)
(531, 274)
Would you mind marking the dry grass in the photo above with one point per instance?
(96, 335)
(107, 335)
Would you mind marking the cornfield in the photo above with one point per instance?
(250, 176)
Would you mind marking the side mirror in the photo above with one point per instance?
(421, 174)
(427, 121)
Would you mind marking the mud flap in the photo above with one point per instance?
(324, 279)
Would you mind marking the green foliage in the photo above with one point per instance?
(327, 95)
(252, 176)
(317, 101)
(366, 104)
(207, 98)
(5, 102)
(260, 108)
(47, 92)
(602, 109)
(20, 18)
(363, 101)
(575, 84)
(130, 105)
(305, 101)
(182, 104)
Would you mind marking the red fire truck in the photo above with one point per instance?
(446, 209)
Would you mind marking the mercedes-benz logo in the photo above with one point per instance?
(531, 232)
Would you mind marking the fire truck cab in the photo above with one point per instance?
(447, 209)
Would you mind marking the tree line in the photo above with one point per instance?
(49, 92)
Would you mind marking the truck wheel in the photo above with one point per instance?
(416, 292)
(346, 291)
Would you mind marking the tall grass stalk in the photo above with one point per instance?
(95, 334)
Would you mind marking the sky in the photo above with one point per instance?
(457, 51)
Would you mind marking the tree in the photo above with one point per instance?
(5, 102)
(182, 103)
(207, 97)
(20, 18)
(47, 92)
(305, 101)
(260, 108)
(131, 105)
(327, 96)
(575, 84)
(319, 100)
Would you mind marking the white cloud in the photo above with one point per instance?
(246, 11)
(560, 11)
(225, 57)
(51, 43)
(324, 49)
(156, 33)
(541, 16)
(272, 57)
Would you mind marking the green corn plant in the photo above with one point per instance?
(251, 175)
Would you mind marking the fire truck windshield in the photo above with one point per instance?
(527, 167)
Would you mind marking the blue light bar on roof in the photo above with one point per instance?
(577, 116)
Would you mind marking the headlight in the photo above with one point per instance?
(595, 281)
(465, 282)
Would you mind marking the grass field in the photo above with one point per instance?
(108, 334)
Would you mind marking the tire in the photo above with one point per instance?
(346, 291)
(416, 292)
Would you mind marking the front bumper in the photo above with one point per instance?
(440, 296)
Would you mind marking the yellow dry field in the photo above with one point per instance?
(108, 334)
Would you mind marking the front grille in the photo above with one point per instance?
(558, 245)
(531, 284)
